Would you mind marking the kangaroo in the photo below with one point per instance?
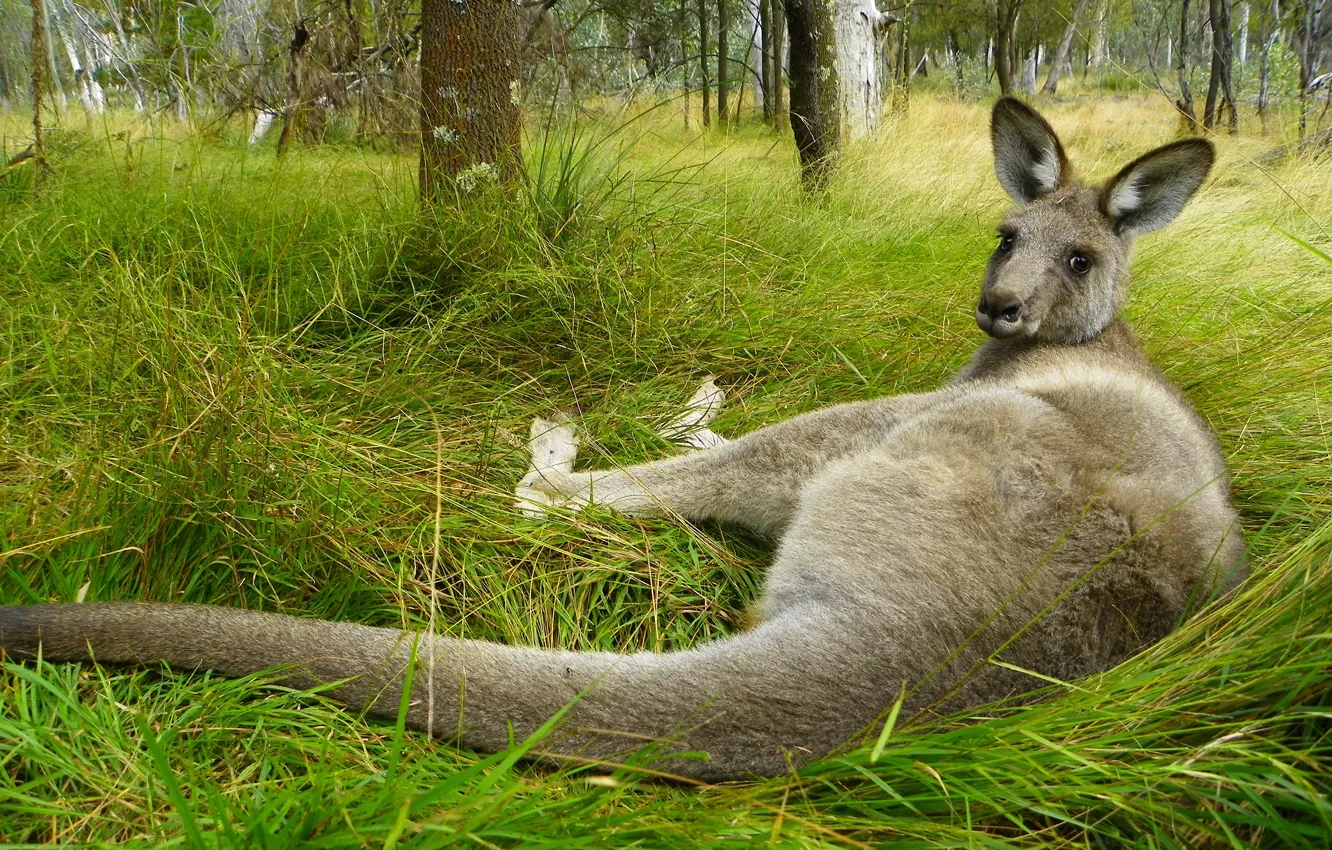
(1056, 506)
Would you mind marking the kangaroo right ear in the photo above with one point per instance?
(1151, 190)
(1028, 158)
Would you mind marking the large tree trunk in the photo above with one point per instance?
(723, 61)
(1185, 102)
(857, 25)
(1006, 12)
(1065, 45)
(815, 103)
(1219, 83)
(470, 123)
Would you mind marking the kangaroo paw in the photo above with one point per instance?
(553, 446)
(690, 428)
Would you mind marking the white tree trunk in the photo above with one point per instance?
(1101, 34)
(262, 122)
(1244, 33)
(857, 25)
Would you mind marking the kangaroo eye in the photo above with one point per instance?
(1079, 263)
(1005, 242)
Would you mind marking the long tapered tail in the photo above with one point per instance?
(754, 704)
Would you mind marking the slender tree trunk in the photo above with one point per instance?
(723, 62)
(1265, 66)
(1220, 98)
(295, 109)
(1185, 102)
(6, 85)
(703, 60)
(39, 66)
(765, 68)
(49, 49)
(955, 54)
(1005, 22)
(470, 122)
(1065, 45)
(815, 103)
(779, 116)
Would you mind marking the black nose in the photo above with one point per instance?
(1008, 310)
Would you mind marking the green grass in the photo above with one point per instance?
(233, 380)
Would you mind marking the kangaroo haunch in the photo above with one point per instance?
(1058, 505)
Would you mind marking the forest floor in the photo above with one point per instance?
(233, 379)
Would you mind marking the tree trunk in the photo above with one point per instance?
(295, 109)
(1185, 102)
(1219, 82)
(39, 65)
(1065, 45)
(470, 122)
(723, 61)
(857, 26)
(703, 60)
(1005, 22)
(955, 56)
(1244, 34)
(6, 86)
(815, 103)
(1265, 66)
(49, 50)
(765, 67)
(779, 116)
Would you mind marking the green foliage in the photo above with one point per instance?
(232, 380)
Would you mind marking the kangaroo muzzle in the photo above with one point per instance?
(1000, 315)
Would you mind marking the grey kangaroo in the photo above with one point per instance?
(1056, 507)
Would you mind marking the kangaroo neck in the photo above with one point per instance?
(997, 359)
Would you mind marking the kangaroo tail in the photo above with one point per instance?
(758, 703)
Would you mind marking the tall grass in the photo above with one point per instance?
(238, 381)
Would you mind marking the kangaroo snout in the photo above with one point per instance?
(1000, 316)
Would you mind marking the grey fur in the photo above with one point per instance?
(1058, 505)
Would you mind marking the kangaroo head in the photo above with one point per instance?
(1060, 271)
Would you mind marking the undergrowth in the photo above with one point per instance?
(275, 384)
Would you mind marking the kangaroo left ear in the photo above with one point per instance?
(1152, 189)
(1028, 159)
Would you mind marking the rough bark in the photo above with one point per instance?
(470, 125)
(815, 103)
(1065, 45)
(1185, 102)
(723, 61)
(1220, 96)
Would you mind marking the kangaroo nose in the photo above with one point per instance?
(999, 317)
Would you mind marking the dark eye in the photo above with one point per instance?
(1079, 263)
(1005, 242)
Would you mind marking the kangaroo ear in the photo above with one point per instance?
(1028, 158)
(1152, 189)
